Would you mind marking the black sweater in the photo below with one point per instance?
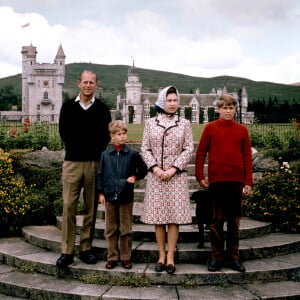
(84, 132)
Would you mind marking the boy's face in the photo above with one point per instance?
(227, 111)
(119, 138)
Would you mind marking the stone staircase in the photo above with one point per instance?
(272, 261)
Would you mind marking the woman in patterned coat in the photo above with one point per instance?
(167, 148)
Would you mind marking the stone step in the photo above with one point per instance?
(15, 252)
(246, 223)
(273, 244)
(40, 286)
(248, 228)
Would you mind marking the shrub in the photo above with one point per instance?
(275, 199)
(15, 198)
(47, 189)
(33, 136)
(284, 147)
(257, 139)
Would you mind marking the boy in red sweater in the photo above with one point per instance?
(228, 147)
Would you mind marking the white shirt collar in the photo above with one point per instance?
(85, 107)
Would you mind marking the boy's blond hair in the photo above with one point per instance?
(226, 99)
(116, 126)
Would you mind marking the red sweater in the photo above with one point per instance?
(228, 146)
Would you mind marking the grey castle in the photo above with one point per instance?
(42, 85)
(141, 100)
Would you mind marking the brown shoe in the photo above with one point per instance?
(111, 264)
(126, 264)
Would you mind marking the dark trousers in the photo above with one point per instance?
(226, 206)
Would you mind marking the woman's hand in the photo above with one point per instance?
(158, 172)
(170, 173)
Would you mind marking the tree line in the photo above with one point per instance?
(273, 111)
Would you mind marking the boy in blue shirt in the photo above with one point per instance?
(120, 166)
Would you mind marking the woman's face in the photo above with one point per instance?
(171, 103)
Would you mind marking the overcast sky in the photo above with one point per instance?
(257, 39)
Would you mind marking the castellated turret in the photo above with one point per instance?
(42, 85)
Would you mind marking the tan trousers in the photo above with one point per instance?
(118, 230)
(78, 175)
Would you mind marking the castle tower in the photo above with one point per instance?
(42, 85)
(28, 62)
(133, 88)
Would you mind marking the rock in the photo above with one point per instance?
(44, 158)
(263, 163)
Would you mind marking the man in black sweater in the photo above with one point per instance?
(83, 127)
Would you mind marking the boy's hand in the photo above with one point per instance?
(204, 183)
(247, 190)
(102, 199)
(131, 179)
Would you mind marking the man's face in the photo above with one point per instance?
(87, 84)
(227, 111)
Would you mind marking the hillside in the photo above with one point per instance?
(113, 78)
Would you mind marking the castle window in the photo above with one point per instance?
(38, 107)
(46, 95)
(52, 107)
(38, 117)
(147, 106)
(146, 117)
(52, 118)
(194, 107)
(194, 118)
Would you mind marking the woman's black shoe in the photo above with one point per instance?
(160, 267)
(171, 269)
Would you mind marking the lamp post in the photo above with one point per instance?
(240, 105)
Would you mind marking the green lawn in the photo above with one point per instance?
(135, 131)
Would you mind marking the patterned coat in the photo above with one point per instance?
(166, 143)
